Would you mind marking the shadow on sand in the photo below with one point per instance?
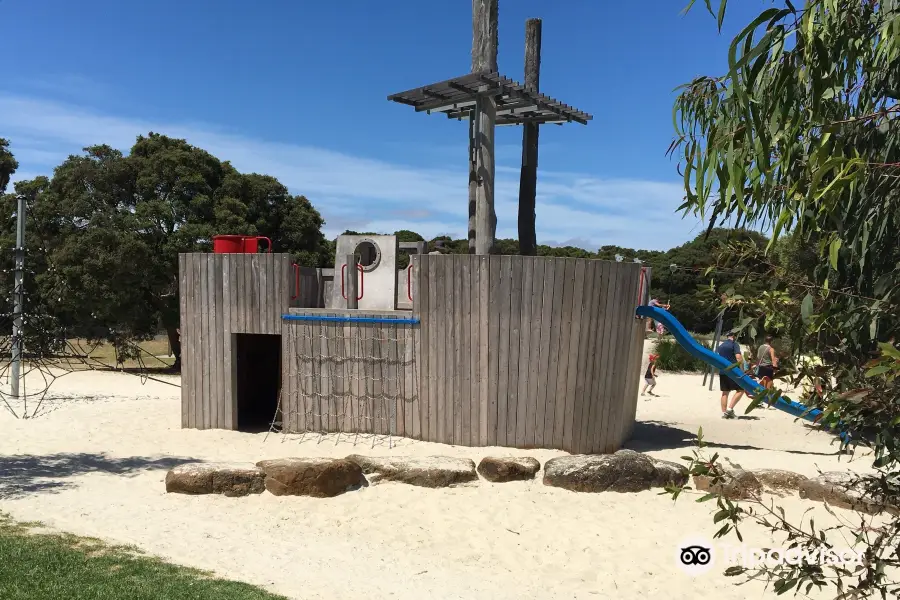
(23, 474)
(657, 435)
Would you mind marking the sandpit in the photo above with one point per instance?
(95, 465)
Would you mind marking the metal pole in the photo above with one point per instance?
(18, 299)
(352, 283)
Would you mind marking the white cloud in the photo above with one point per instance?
(355, 192)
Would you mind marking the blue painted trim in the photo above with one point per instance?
(748, 384)
(349, 319)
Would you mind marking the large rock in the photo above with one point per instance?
(778, 480)
(424, 471)
(317, 477)
(735, 484)
(624, 471)
(215, 478)
(846, 490)
(508, 468)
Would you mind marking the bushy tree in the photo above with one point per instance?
(112, 226)
(802, 135)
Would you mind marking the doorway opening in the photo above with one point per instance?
(258, 379)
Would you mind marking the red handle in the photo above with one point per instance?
(268, 243)
(296, 281)
(409, 281)
(362, 277)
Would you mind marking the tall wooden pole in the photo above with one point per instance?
(482, 216)
(528, 176)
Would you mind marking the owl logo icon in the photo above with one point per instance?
(694, 556)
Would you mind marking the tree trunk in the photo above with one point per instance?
(482, 222)
(528, 175)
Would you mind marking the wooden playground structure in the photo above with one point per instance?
(475, 350)
(495, 351)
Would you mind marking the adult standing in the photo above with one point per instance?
(767, 362)
(730, 351)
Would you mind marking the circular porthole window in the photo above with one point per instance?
(369, 255)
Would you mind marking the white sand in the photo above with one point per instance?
(97, 468)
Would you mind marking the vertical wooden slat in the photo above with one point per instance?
(633, 374)
(376, 374)
(447, 350)
(504, 342)
(420, 428)
(436, 351)
(535, 351)
(197, 344)
(618, 329)
(524, 320)
(351, 386)
(610, 340)
(515, 331)
(463, 312)
(473, 318)
(240, 293)
(214, 274)
(484, 341)
(601, 355)
(204, 417)
(546, 380)
(565, 335)
(228, 398)
(574, 363)
(594, 358)
(260, 316)
(183, 316)
(582, 381)
(275, 302)
(450, 380)
(597, 355)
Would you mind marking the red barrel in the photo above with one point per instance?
(239, 244)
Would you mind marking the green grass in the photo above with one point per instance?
(65, 567)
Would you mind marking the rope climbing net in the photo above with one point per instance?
(351, 378)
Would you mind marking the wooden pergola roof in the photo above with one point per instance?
(515, 104)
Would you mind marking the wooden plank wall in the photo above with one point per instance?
(527, 351)
(349, 376)
(221, 295)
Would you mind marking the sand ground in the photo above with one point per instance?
(94, 464)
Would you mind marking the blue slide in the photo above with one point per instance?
(696, 350)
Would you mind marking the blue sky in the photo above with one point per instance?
(297, 89)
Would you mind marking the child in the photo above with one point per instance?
(650, 376)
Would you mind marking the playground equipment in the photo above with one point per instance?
(239, 244)
(494, 350)
(747, 383)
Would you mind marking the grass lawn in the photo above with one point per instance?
(65, 567)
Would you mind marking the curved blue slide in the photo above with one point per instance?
(748, 384)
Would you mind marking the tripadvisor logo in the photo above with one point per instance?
(696, 556)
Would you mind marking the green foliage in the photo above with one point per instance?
(107, 229)
(8, 164)
(802, 135)
(672, 357)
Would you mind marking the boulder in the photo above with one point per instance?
(624, 471)
(424, 471)
(779, 480)
(736, 484)
(215, 478)
(845, 490)
(316, 477)
(508, 468)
